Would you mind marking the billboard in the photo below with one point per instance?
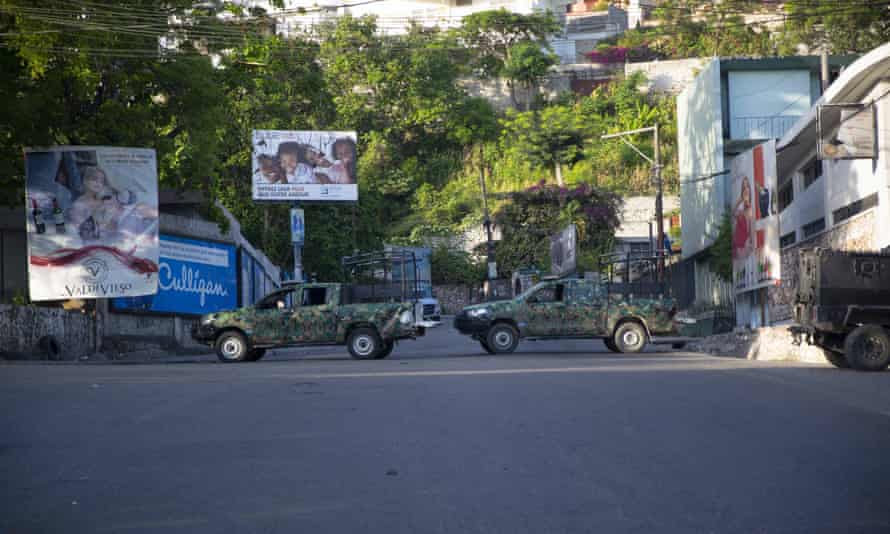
(563, 247)
(92, 222)
(297, 165)
(194, 277)
(847, 131)
(755, 221)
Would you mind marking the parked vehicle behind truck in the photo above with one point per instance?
(842, 304)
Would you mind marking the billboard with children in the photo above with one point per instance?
(756, 261)
(304, 165)
(92, 222)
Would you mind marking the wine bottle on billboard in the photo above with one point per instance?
(38, 217)
(58, 217)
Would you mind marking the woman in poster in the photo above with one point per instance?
(342, 171)
(742, 231)
(101, 212)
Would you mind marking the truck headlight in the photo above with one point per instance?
(207, 319)
(478, 313)
(406, 317)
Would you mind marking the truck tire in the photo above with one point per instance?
(364, 343)
(630, 337)
(386, 350)
(868, 348)
(837, 359)
(485, 346)
(607, 341)
(502, 338)
(231, 347)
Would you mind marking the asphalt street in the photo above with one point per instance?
(558, 437)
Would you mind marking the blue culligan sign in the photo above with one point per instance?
(194, 277)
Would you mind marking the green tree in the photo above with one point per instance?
(526, 66)
(839, 27)
(551, 137)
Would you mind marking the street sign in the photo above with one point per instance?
(297, 226)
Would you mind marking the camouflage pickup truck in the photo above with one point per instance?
(574, 308)
(310, 314)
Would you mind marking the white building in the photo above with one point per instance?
(639, 231)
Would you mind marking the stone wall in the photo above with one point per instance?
(22, 327)
(855, 234)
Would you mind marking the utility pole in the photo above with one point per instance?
(490, 264)
(656, 174)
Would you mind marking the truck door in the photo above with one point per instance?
(545, 311)
(270, 318)
(586, 308)
(314, 317)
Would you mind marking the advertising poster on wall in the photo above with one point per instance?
(304, 165)
(563, 248)
(755, 221)
(92, 222)
(194, 277)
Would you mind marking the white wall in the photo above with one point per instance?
(671, 76)
(808, 204)
(757, 96)
(700, 150)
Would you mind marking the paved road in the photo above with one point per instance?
(559, 437)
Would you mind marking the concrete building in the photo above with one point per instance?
(243, 273)
(638, 230)
(731, 106)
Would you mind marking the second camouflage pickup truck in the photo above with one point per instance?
(574, 308)
(311, 314)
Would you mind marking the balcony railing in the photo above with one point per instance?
(772, 127)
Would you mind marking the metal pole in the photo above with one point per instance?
(824, 72)
(489, 246)
(659, 208)
(298, 254)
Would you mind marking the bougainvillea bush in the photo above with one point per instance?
(528, 218)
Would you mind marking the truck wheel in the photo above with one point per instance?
(256, 355)
(364, 343)
(231, 347)
(630, 337)
(836, 359)
(868, 348)
(502, 338)
(607, 341)
(386, 350)
(485, 346)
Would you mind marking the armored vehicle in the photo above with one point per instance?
(842, 304)
(367, 317)
(625, 314)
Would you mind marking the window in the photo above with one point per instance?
(585, 291)
(786, 195)
(639, 249)
(813, 228)
(788, 239)
(278, 299)
(811, 172)
(853, 208)
(314, 296)
(549, 294)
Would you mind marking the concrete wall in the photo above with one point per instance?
(700, 150)
(21, 327)
(670, 77)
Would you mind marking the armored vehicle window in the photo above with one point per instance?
(314, 296)
(552, 293)
(585, 292)
(279, 299)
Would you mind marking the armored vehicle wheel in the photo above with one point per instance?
(256, 355)
(485, 346)
(364, 343)
(231, 347)
(837, 359)
(868, 348)
(607, 341)
(502, 338)
(386, 350)
(630, 337)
